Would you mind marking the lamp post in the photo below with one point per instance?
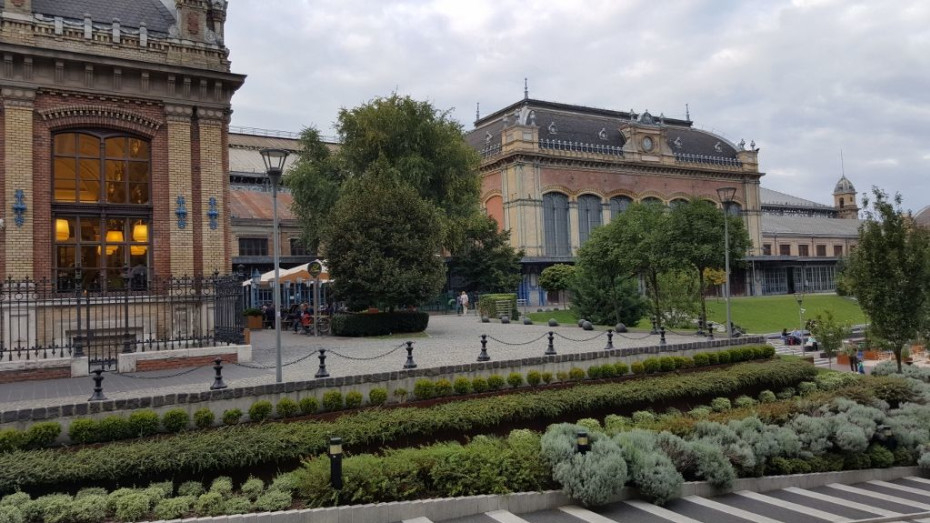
(726, 197)
(274, 167)
(799, 296)
(335, 462)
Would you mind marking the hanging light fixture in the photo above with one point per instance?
(62, 230)
(113, 237)
(140, 232)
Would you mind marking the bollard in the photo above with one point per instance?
(610, 339)
(322, 372)
(98, 386)
(335, 462)
(218, 380)
(655, 323)
(409, 364)
(700, 331)
(710, 330)
(550, 350)
(484, 349)
(662, 336)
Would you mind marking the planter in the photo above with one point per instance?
(873, 355)
(842, 359)
(253, 322)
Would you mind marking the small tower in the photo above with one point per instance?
(844, 199)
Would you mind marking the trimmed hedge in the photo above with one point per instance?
(379, 323)
(254, 445)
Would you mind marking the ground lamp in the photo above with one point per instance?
(274, 167)
(582, 443)
(726, 198)
(335, 463)
(799, 296)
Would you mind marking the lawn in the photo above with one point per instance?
(756, 314)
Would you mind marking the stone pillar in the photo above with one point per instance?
(213, 206)
(180, 190)
(18, 187)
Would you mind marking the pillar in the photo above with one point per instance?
(180, 190)
(213, 205)
(17, 175)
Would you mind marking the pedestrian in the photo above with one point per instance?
(464, 300)
(861, 368)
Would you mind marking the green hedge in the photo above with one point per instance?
(487, 305)
(379, 323)
(225, 448)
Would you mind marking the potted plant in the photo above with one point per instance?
(253, 318)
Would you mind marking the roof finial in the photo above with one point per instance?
(526, 89)
(477, 111)
(842, 166)
(687, 113)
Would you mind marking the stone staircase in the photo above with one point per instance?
(797, 350)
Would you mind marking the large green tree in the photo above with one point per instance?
(889, 271)
(557, 278)
(382, 244)
(484, 260)
(601, 292)
(315, 181)
(698, 226)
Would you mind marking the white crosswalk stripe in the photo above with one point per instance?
(880, 495)
(505, 516)
(585, 514)
(795, 507)
(418, 520)
(843, 502)
(733, 511)
(918, 480)
(663, 513)
(902, 488)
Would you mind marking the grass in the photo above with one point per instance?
(756, 314)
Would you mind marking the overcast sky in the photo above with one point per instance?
(805, 79)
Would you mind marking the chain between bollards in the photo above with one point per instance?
(610, 339)
(550, 350)
(322, 372)
(409, 364)
(662, 336)
(484, 349)
(98, 386)
(218, 380)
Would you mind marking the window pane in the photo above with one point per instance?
(90, 229)
(90, 256)
(88, 146)
(89, 171)
(116, 257)
(116, 147)
(138, 149)
(138, 193)
(65, 257)
(64, 144)
(65, 180)
(116, 192)
(65, 229)
(139, 172)
(116, 171)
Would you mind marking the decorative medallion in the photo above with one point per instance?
(647, 144)
(193, 23)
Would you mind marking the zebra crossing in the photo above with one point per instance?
(902, 500)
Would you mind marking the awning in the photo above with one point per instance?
(294, 274)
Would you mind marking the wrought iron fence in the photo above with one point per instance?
(45, 319)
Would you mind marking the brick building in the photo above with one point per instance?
(114, 118)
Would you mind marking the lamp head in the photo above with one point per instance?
(726, 194)
(335, 446)
(274, 163)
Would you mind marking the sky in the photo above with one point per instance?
(811, 81)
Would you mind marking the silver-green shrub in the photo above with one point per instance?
(91, 508)
(252, 488)
(643, 416)
(132, 507)
(190, 488)
(16, 499)
(814, 433)
(720, 404)
(614, 423)
(558, 443)
(273, 500)
(11, 514)
(209, 504)
(52, 508)
(237, 505)
(595, 477)
(222, 485)
(766, 396)
(591, 424)
(743, 401)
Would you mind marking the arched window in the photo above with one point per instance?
(555, 224)
(734, 209)
(652, 200)
(101, 209)
(618, 204)
(589, 215)
(841, 203)
(676, 202)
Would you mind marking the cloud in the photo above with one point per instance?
(805, 79)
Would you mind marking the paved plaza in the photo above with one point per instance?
(449, 340)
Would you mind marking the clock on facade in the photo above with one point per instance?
(647, 144)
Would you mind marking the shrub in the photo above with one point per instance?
(86, 491)
(806, 387)
(533, 378)
(700, 412)
(608, 371)
(713, 358)
(666, 363)
(222, 485)
(495, 382)
(743, 402)
(252, 488)
(903, 457)
(652, 365)
(424, 389)
(786, 393)
(237, 505)
(443, 387)
(259, 411)
(132, 507)
(11, 439)
(638, 368)
(561, 375)
(856, 461)
(114, 428)
(88, 509)
(880, 456)
(479, 384)
(144, 423)
(546, 377)
(287, 408)
(592, 478)
(461, 385)
(287, 482)
(723, 357)
(190, 488)
(767, 396)
(175, 420)
(11, 514)
(174, 508)
(376, 396)
(621, 368)
(720, 404)
(209, 504)
(643, 416)
(768, 352)
(379, 324)
(401, 394)
(41, 435)
(575, 374)
(701, 360)
(203, 418)
(683, 362)
(594, 372)
(515, 379)
(231, 416)
(332, 400)
(616, 423)
(354, 399)
(53, 508)
(273, 500)
(309, 404)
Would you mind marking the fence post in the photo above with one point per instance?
(550, 350)
(218, 380)
(98, 386)
(127, 346)
(662, 336)
(409, 364)
(484, 349)
(322, 372)
(610, 339)
(78, 286)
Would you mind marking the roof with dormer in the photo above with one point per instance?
(772, 198)
(131, 13)
(589, 125)
(844, 186)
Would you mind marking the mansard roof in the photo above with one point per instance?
(131, 13)
(809, 226)
(772, 198)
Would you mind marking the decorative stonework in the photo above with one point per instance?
(179, 113)
(78, 115)
(13, 97)
(211, 116)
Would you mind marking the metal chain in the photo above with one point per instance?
(580, 341)
(517, 344)
(182, 373)
(676, 333)
(643, 337)
(273, 365)
(357, 358)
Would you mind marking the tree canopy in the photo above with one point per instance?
(889, 271)
(484, 260)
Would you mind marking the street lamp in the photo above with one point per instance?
(274, 167)
(726, 197)
(799, 296)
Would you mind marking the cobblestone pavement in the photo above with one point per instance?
(449, 340)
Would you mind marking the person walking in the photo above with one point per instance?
(463, 298)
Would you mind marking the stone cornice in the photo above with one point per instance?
(179, 113)
(17, 97)
(212, 116)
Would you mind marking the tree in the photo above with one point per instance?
(382, 244)
(698, 227)
(557, 278)
(889, 271)
(315, 182)
(601, 293)
(830, 333)
(485, 260)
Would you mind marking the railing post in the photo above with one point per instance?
(322, 372)
(127, 345)
(610, 339)
(550, 350)
(484, 349)
(218, 380)
(662, 336)
(78, 287)
(409, 364)
(98, 386)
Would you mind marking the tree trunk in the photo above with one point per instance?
(703, 319)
